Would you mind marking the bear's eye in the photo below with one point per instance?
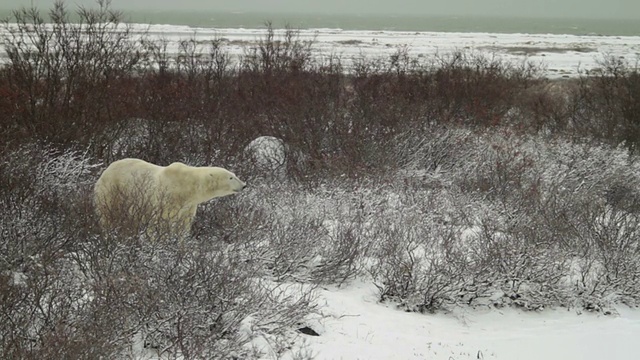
(231, 178)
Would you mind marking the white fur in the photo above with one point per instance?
(164, 195)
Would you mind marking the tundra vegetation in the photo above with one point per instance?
(452, 180)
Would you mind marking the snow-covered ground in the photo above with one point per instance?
(353, 325)
(563, 55)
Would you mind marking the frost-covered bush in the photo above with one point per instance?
(437, 148)
(306, 235)
(44, 200)
(607, 269)
(428, 257)
(45, 169)
(413, 264)
(45, 212)
(191, 299)
(528, 221)
(516, 266)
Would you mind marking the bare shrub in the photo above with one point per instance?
(545, 105)
(413, 268)
(536, 222)
(274, 54)
(605, 104)
(47, 312)
(502, 169)
(193, 298)
(526, 269)
(429, 265)
(293, 244)
(597, 227)
(293, 237)
(561, 210)
(37, 195)
(477, 89)
(65, 71)
(435, 149)
(342, 257)
(612, 253)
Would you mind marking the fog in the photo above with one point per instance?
(624, 9)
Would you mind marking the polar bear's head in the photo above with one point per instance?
(222, 182)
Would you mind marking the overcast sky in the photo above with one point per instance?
(527, 8)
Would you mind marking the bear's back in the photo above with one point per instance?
(124, 185)
(126, 170)
(182, 181)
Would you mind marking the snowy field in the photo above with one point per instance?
(355, 326)
(562, 55)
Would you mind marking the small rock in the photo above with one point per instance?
(308, 331)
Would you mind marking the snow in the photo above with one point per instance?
(356, 326)
(16, 278)
(563, 55)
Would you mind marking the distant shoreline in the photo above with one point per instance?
(562, 56)
(479, 24)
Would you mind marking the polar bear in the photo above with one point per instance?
(133, 192)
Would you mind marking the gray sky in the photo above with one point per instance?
(629, 9)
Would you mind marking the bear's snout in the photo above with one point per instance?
(239, 185)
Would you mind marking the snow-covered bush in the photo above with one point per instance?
(531, 221)
(317, 235)
(414, 263)
(191, 299)
(40, 189)
(437, 148)
(45, 212)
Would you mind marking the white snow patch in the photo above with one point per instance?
(356, 326)
(16, 278)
